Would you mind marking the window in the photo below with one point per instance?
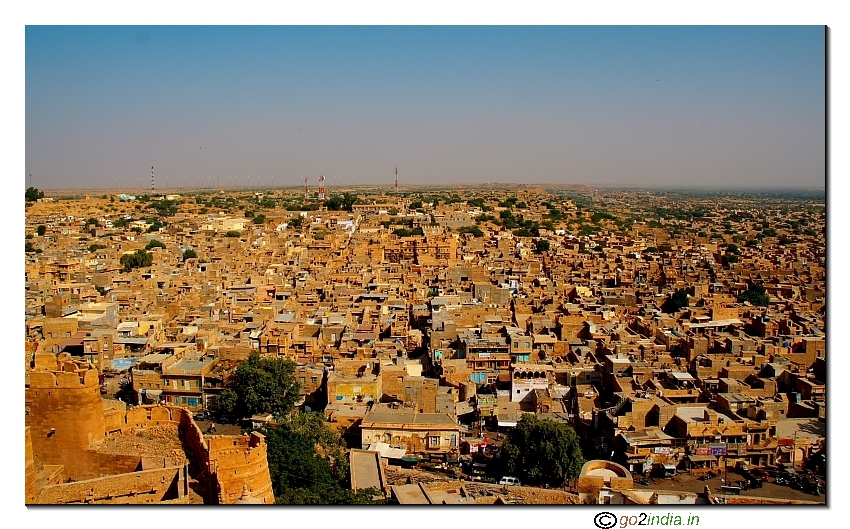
(302, 379)
(314, 379)
(434, 441)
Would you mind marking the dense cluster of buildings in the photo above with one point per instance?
(416, 333)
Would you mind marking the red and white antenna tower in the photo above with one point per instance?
(306, 189)
(396, 181)
(322, 190)
(152, 186)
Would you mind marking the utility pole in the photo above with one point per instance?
(794, 452)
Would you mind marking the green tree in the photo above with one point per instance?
(123, 222)
(189, 253)
(154, 244)
(475, 231)
(261, 385)
(341, 202)
(259, 219)
(729, 258)
(541, 245)
(542, 451)
(33, 194)
(403, 232)
(295, 222)
(41, 229)
(308, 464)
(233, 233)
(155, 226)
(676, 302)
(139, 259)
(166, 208)
(756, 295)
(95, 247)
(93, 222)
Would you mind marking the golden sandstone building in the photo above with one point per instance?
(440, 310)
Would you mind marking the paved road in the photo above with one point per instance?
(689, 483)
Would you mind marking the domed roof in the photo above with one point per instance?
(247, 499)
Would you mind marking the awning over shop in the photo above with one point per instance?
(71, 342)
(462, 408)
(694, 458)
(132, 341)
(122, 364)
(387, 451)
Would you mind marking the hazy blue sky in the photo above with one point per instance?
(707, 106)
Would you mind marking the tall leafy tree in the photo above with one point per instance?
(541, 246)
(542, 451)
(676, 302)
(755, 294)
(308, 464)
(139, 259)
(154, 243)
(33, 194)
(261, 385)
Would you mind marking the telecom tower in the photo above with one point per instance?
(396, 181)
(152, 186)
(322, 190)
(306, 189)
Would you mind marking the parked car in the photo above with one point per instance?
(759, 474)
(202, 416)
(509, 481)
(809, 485)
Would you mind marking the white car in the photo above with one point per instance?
(509, 480)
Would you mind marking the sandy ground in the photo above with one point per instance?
(156, 441)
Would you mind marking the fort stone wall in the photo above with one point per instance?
(66, 416)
